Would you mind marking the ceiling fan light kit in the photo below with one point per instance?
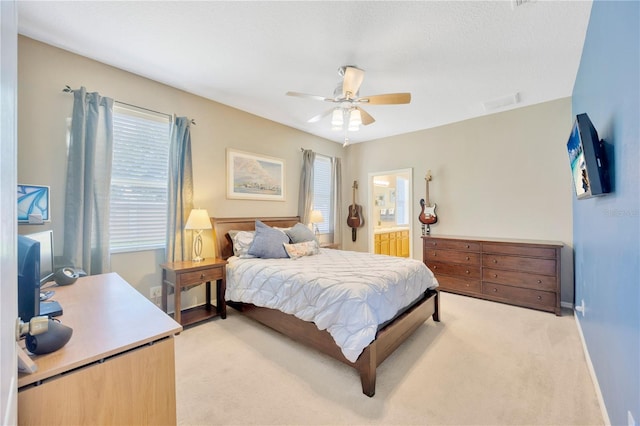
(348, 115)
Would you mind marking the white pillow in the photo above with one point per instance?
(241, 242)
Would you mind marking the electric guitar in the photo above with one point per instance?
(354, 219)
(428, 213)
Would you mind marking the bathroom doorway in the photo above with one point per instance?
(390, 200)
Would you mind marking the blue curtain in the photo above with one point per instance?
(336, 174)
(180, 188)
(305, 197)
(86, 223)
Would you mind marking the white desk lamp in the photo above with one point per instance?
(198, 221)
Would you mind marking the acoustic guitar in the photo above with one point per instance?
(428, 213)
(354, 219)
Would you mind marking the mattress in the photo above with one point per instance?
(347, 293)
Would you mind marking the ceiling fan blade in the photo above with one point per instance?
(366, 117)
(352, 80)
(387, 99)
(307, 96)
(320, 116)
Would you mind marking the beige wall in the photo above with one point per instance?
(502, 175)
(43, 111)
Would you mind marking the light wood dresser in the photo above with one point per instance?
(118, 367)
(519, 272)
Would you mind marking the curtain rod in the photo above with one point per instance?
(68, 89)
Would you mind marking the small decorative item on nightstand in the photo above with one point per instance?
(198, 221)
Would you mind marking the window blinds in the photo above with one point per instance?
(138, 217)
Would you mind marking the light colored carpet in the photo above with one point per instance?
(485, 363)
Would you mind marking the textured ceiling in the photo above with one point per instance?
(452, 56)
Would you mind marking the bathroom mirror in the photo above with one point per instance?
(390, 224)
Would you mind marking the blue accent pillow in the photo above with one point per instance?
(300, 234)
(268, 242)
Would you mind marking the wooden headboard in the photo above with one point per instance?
(221, 227)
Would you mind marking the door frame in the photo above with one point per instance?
(371, 225)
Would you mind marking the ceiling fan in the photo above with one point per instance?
(347, 114)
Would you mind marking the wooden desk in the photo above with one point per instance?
(118, 367)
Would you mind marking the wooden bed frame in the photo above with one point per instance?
(387, 338)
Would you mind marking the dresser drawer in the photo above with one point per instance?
(452, 256)
(519, 249)
(519, 279)
(518, 263)
(459, 284)
(432, 243)
(521, 296)
(468, 271)
(201, 276)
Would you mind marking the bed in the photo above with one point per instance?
(386, 336)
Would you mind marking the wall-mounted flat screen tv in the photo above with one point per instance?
(589, 167)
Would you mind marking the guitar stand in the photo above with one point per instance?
(426, 229)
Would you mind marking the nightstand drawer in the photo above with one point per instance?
(201, 276)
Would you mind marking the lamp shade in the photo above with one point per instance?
(337, 119)
(355, 119)
(316, 216)
(198, 219)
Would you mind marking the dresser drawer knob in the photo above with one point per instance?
(495, 260)
(434, 244)
(495, 275)
(202, 276)
(435, 254)
(468, 258)
(467, 284)
(539, 281)
(468, 246)
(435, 267)
(495, 290)
(539, 297)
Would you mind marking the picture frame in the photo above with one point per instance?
(255, 176)
(33, 204)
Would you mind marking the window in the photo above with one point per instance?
(323, 192)
(139, 175)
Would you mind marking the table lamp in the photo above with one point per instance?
(315, 218)
(198, 221)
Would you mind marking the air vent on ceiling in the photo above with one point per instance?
(501, 102)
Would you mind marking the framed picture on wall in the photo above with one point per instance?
(254, 176)
(33, 204)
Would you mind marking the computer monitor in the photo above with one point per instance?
(28, 278)
(45, 238)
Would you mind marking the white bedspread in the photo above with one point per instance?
(347, 293)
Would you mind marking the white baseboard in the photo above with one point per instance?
(566, 305)
(592, 372)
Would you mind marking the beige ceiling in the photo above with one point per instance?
(453, 56)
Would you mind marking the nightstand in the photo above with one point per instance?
(188, 273)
